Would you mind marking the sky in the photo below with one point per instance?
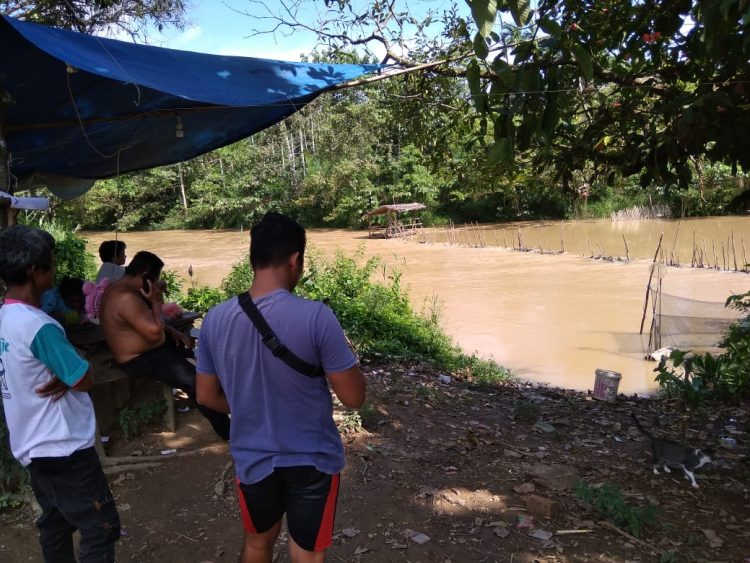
(219, 27)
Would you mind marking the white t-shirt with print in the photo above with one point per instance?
(33, 347)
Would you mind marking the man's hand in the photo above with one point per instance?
(155, 293)
(54, 388)
(180, 338)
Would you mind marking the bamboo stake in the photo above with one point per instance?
(744, 257)
(677, 234)
(723, 256)
(734, 252)
(562, 241)
(627, 252)
(713, 249)
(648, 285)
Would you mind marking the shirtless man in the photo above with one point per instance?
(133, 324)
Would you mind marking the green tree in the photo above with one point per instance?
(625, 87)
(95, 16)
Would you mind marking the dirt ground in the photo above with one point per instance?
(449, 473)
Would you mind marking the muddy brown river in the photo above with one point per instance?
(550, 317)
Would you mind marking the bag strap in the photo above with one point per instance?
(273, 343)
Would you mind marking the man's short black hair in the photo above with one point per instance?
(274, 239)
(145, 263)
(109, 249)
(21, 248)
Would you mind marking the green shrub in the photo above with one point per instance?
(201, 298)
(133, 421)
(173, 291)
(610, 502)
(239, 279)
(73, 260)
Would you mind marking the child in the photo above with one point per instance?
(65, 303)
(48, 411)
(112, 254)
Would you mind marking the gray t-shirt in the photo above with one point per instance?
(280, 418)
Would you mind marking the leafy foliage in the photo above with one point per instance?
(610, 501)
(622, 88)
(201, 298)
(72, 258)
(89, 16)
(133, 421)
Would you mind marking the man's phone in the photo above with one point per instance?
(146, 285)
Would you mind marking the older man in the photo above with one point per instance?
(49, 413)
(133, 324)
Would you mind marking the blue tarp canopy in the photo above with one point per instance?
(87, 107)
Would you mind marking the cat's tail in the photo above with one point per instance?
(639, 427)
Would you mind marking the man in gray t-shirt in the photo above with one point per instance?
(287, 450)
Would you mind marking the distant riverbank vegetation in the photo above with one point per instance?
(346, 153)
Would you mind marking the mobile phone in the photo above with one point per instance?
(147, 279)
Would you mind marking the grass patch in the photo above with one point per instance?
(609, 501)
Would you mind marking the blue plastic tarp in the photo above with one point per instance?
(87, 107)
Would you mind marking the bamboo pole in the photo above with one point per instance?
(734, 252)
(627, 252)
(648, 285)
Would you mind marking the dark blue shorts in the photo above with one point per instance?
(307, 496)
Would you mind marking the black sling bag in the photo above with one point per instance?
(273, 343)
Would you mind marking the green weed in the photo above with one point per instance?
(609, 501)
(133, 421)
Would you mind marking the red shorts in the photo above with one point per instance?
(306, 495)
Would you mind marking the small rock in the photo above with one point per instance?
(501, 532)
(524, 489)
(713, 540)
(554, 476)
(541, 534)
(512, 453)
(416, 537)
(350, 532)
(542, 507)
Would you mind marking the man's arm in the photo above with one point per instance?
(56, 388)
(349, 386)
(209, 393)
(148, 323)
(69, 370)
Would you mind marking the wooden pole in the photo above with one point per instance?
(627, 252)
(7, 215)
(648, 285)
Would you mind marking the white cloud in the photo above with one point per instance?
(189, 35)
(264, 52)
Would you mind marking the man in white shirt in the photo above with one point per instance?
(48, 411)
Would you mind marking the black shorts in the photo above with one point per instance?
(306, 495)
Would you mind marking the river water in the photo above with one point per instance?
(550, 317)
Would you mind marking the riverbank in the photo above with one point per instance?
(475, 471)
